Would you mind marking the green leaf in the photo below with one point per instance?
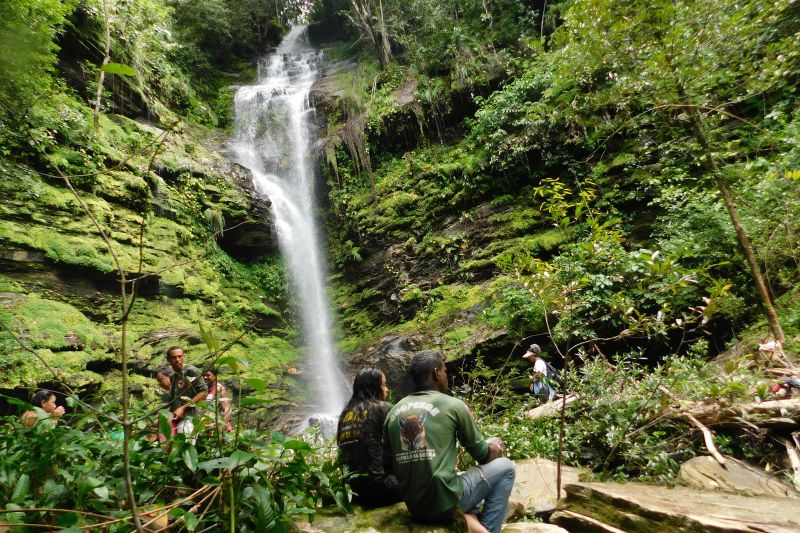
(164, 423)
(190, 458)
(236, 364)
(240, 457)
(102, 492)
(209, 340)
(296, 445)
(190, 520)
(119, 69)
(21, 489)
(255, 384)
(252, 400)
(213, 464)
(266, 514)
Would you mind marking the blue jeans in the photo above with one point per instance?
(492, 484)
(541, 387)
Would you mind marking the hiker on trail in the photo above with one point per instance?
(419, 441)
(185, 383)
(540, 384)
(45, 400)
(164, 379)
(359, 435)
(217, 398)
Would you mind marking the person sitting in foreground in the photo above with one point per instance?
(46, 401)
(359, 435)
(419, 437)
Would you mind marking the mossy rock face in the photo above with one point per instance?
(60, 283)
(63, 337)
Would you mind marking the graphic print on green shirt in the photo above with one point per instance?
(419, 437)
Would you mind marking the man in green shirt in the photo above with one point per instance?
(419, 446)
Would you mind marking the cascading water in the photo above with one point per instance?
(273, 127)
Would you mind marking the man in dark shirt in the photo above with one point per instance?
(186, 382)
(419, 443)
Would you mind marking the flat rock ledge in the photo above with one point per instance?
(704, 472)
(637, 507)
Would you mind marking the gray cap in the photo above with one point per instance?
(532, 350)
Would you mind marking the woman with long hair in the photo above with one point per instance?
(359, 435)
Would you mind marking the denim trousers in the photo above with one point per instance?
(492, 484)
(538, 387)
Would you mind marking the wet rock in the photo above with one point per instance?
(706, 473)
(637, 507)
(532, 527)
(72, 340)
(171, 335)
(23, 256)
(328, 88)
(391, 354)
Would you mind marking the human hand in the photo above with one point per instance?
(58, 412)
(531, 387)
(496, 448)
(179, 412)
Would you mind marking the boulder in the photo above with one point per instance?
(532, 527)
(391, 354)
(706, 473)
(535, 487)
(638, 507)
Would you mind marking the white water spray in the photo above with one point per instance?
(273, 125)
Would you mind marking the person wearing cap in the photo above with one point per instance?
(540, 386)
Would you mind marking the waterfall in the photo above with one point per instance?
(273, 126)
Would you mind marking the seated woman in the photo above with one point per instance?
(359, 438)
(46, 401)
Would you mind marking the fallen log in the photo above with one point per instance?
(550, 408)
(714, 414)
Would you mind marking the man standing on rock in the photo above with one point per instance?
(419, 443)
(540, 384)
(186, 382)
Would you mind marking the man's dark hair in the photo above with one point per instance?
(171, 349)
(423, 364)
(212, 370)
(41, 396)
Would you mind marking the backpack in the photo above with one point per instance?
(554, 375)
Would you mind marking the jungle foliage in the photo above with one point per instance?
(605, 130)
(595, 173)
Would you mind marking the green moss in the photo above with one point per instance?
(46, 323)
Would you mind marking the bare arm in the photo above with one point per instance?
(197, 398)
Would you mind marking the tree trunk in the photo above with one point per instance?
(744, 241)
